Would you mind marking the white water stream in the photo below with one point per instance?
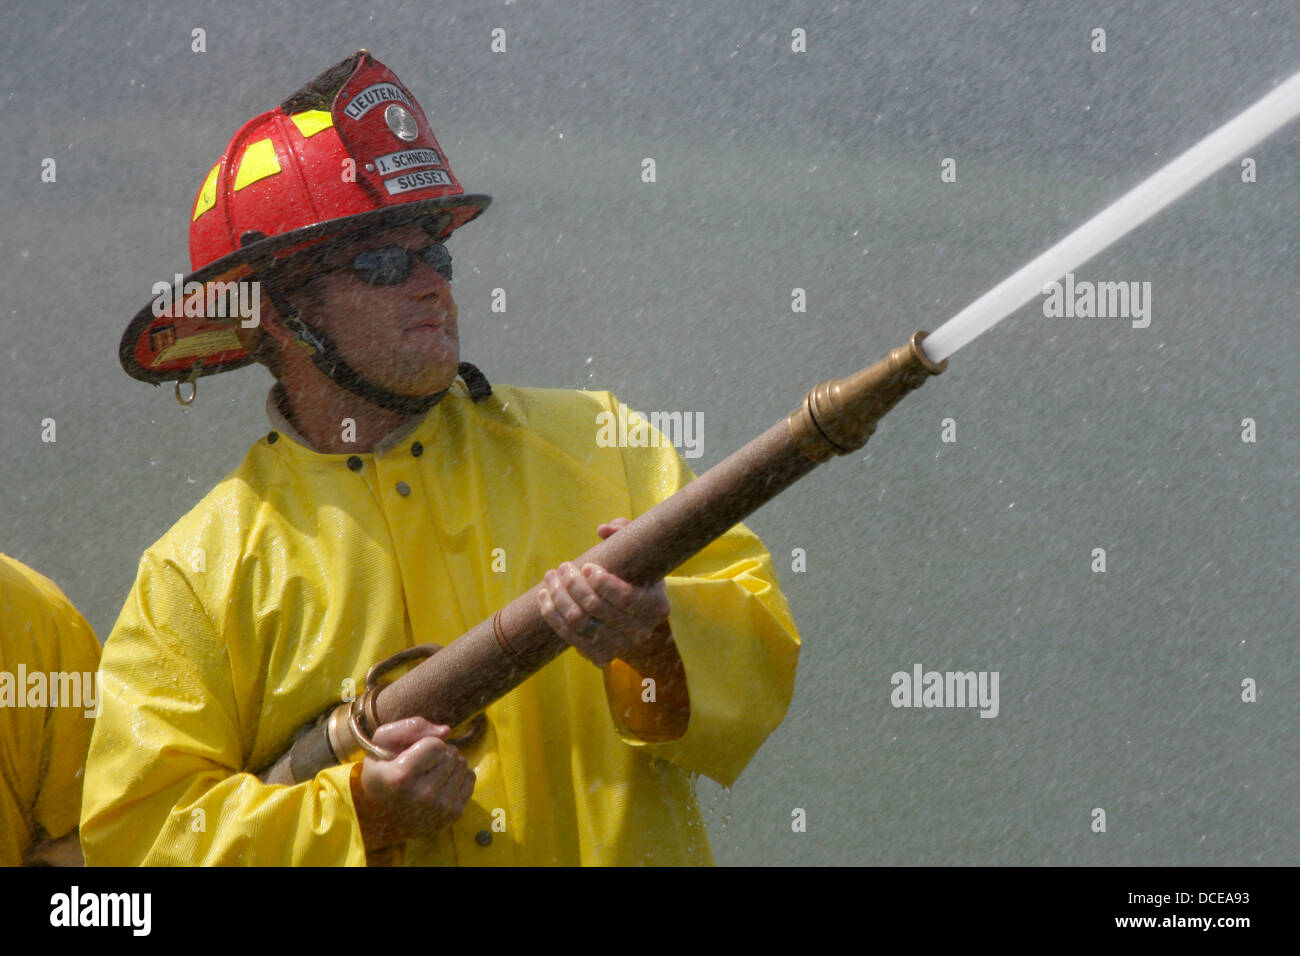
(1119, 218)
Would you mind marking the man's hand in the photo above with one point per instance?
(601, 615)
(419, 793)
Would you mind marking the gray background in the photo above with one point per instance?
(821, 170)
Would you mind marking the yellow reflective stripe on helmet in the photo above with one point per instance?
(311, 122)
(257, 163)
(205, 343)
(208, 194)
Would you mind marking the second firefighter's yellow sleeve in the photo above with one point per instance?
(67, 733)
(733, 630)
(163, 777)
(43, 740)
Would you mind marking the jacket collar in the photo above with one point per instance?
(276, 403)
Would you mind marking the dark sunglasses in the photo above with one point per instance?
(392, 265)
(388, 265)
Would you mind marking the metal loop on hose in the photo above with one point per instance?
(416, 653)
(363, 714)
(371, 748)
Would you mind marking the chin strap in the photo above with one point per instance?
(477, 383)
(325, 356)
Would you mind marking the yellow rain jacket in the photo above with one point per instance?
(48, 657)
(267, 603)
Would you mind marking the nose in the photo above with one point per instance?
(426, 280)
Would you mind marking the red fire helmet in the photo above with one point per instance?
(350, 151)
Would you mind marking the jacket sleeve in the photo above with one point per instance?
(42, 745)
(733, 630)
(163, 776)
(67, 733)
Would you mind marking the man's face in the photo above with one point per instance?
(400, 337)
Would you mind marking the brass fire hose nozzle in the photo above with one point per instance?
(838, 416)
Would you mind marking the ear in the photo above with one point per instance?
(272, 322)
(269, 342)
(288, 326)
(279, 307)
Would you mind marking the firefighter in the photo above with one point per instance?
(397, 499)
